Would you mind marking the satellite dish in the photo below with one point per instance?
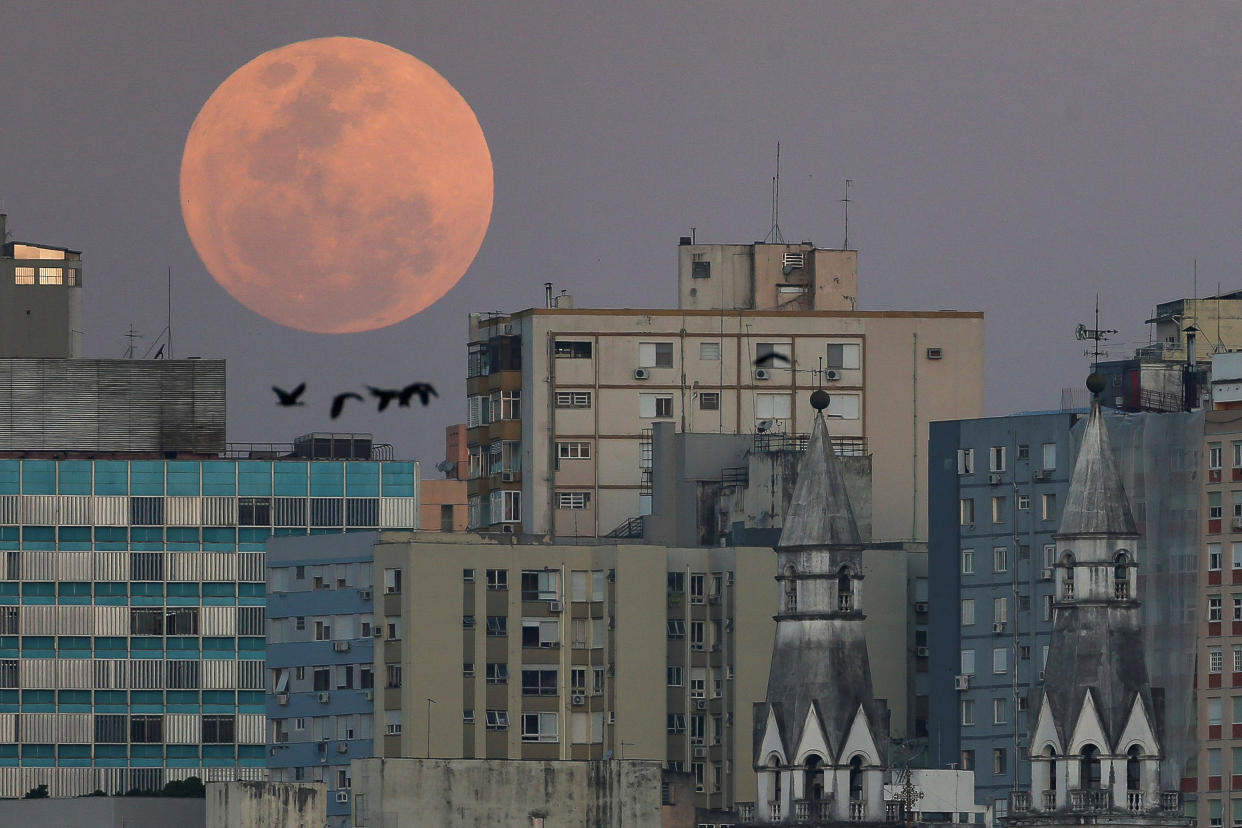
(446, 466)
(764, 425)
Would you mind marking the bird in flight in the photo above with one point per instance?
(424, 390)
(772, 356)
(384, 395)
(289, 398)
(338, 402)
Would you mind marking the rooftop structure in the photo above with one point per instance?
(40, 299)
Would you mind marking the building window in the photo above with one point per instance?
(1214, 507)
(218, 729)
(968, 760)
(676, 628)
(1024, 503)
(1050, 456)
(996, 459)
(393, 674)
(392, 580)
(1213, 556)
(539, 727)
(709, 351)
(1213, 455)
(573, 399)
(573, 450)
(765, 351)
(1000, 559)
(1000, 660)
(1000, 610)
(1214, 608)
(498, 720)
(998, 509)
(1000, 712)
(540, 584)
(510, 405)
(675, 676)
(497, 579)
(966, 509)
(1048, 506)
(968, 712)
(323, 631)
(538, 632)
(968, 662)
(968, 611)
(497, 672)
(965, 461)
(146, 729)
(655, 405)
(844, 356)
(50, 276)
(700, 270)
(998, 760)
(696, 635)
(1216, 660)
(497, 625)
(968, 562)
(537, 681)
(570, 349)
(655, 355)
(773, 406)
(23, 275)
(467, 575)
(709, 400)
(573, 500)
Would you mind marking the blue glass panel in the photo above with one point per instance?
(325, 531)
(147, 588)
(8, 701)
(75, 477)
(182, 647)
(38, 537)
(183, 751)
(8, 588)
(362, 479)
(74, 646)
(250, 590)
(216, 644)
(74, 751)
(110, 751)
(73, 588)
(9, 537)
(217, 751)
(105, 588)
(182, 697)
(30, 697)
(8, 751)
(219, 539)
(253, 535)
(38, 751)
(10, 476)
(182, 477)
(30, 588)
(288, 530)
(398, 479)
(111, 537)
(182, 534)
(110, 646)
(291, 478)
(146, 477)
(251, 644)
(111, 477)
(220, 478)
(74, 538)
(327, 479)
(38, 477)
(146, 751)
(254, 478)
(146, 697)
(252, 700)
(218, 697)
(109, 697)
(250, 751)
(182, 590)
(146, 643)
(146, 538)
(219, 589)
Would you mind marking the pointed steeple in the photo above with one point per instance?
(819, 511)
(1096, 503)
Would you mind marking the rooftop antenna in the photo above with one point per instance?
(169, 341)
(131, 335)
(1096, 335)
(845, 245)
(774, 235)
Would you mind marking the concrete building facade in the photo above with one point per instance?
(40, 299)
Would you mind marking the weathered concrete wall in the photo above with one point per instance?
(412, 793)
(266, 804)
(104, 812)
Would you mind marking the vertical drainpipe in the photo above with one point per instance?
(914, 471)
(549, 344)
(682, 345)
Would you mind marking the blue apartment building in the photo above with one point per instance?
(996, 487)
(133, 608)
(320, 660)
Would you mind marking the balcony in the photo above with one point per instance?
(858, 810)
(812, 810)
(1089, 799)
(845, 602)
(745, 812)
(1050, 800)
(1019, 801)
(774, 811)
(1121, 590)
(1135, 801)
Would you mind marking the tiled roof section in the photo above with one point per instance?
(1096, 503)
(819, 512)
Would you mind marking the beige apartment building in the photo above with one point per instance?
(562, 400)
(580, 652)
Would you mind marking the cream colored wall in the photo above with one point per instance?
(885, 579)
(755, 631)
(901, 392)
(640, 637)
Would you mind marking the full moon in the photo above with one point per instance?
(336, 185)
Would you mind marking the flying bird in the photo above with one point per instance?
(424, 390)
(384, 395)
(338, 402)
(772, 356)
(289, 398)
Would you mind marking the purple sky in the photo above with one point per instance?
(1013, 158)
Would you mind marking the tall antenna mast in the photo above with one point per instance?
(131, 335)
(774, 235)
(845, 245)
(1096, 335)
(170, 350)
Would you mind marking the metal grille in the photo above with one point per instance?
(325, 511)
(290, 511)
(362, 511)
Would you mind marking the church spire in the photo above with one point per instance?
(1096, 503)
(819, 511)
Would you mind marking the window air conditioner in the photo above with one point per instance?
(920, 606)
(364, 594)
(700, 704)
(577, 699)
(340, 646)
(368, 694)
(994, 478)
(1046, 574)
(324, 698)
(642, 374)
(555, 606)
(342, 796)
(832, 374)
(998, 627)
(282, 698)
(762, 374)
(700, 752)
(1041, 474)
(342, 747)
(961, 682)
(507, 476)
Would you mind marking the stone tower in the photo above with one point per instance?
(1095, 735)
(820, 735)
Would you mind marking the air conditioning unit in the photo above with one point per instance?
(342, 796)
(961, 682)
(342, 747)
(508, 476)
(935, 353)
(700, 752)
(555, 606)
(364, 594)
(922, 652)
(729, 672)
(507, 529)
(1041, 675)
(920, 606)
(642, 374)
(998, 627)
(324, 698)
(282, 698)
(340, 646)
(369, 695)
(1041, 474)
(325, 739)
(577, 699)
(994, 478)
(832, 374)
(1046, 574)
(1237, 523)
(700, 704)
(612, 718)
(762, 374)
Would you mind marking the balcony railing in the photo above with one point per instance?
(858, 810)
(812, 810)
(1020, 801)
(774, 811)
(1090, 799)
(1121, 590)
(1135, 801)
(845, 602)
(745, 812)
(1171, 801)
(1050, 800)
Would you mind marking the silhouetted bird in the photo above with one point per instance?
(772, 356)
(288, 398)
(424, 390)
(384, 395)
(338, 402)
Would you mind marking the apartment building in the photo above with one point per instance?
(320, 661)
(591, 651)
(997, 489)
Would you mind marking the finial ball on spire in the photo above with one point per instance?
(1095, 383)
(819, 400)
